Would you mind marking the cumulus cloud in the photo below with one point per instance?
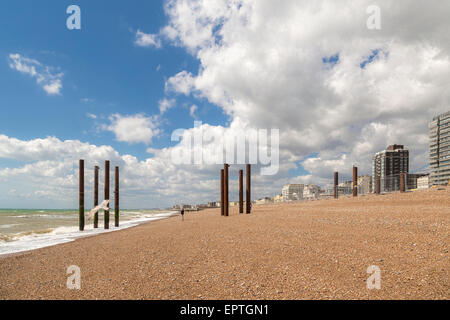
(49, 166)
(147, 40)
(183, 82)
(46, 77)
(133, 129)
(337, 91)
(193, 110)
(166, 104)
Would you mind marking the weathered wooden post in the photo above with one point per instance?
(116, 197)
(248, 189)
(227, 204)
(355, 181)
(81, 196)
(241, 191)
(96, 169)
(107, 193)
(222, 192)
(336, 182)
(402, 182)
(377, 185)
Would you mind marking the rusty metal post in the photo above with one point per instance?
(355, 181)
(402, 182)
(241, 191)
(222, 193)
(336, 182)
(227, 203)
(107, 193)
(377, 185)
(96, 169)
(248, 190)
(81, 196)
(116, 197)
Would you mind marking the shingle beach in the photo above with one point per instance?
(305, 250)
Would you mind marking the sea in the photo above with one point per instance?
(29, 229)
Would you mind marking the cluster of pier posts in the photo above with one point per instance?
(377, 183)
(224, 200)
(354, 186)
(107, 187)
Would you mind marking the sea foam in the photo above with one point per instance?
(25, 241)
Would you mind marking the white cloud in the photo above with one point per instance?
(46, 76)
(147, 40)
(193, 110)
(166, 104)
(183, 82)
(133, 129)
(91, 115)
(261, 62)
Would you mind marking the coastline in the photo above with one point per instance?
(311, 250)
(71, 236)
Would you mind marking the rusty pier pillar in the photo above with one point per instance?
(377, 185)
(107, 193)
(402, 182)
(241, 191)
(222, 192)
(355, 181)
(226, 185)
(96, 169)
(116, 197)
(336, 182)
(81, 196)
(248, 189)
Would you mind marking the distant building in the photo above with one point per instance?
(388, 164)
(345, 188)
(423, 182)
(186, 207)
(214, 204)
(364, 184)
(311, 192)
(278, 198)
(262, 201)
(326, 193)
(440, 149)
(412, 180)
(292, 192)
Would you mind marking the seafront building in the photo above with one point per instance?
(364, 184)
(292, 192)
(311, 192)
(423, 182)
(345, 188)
(388, 164)
(440, 149)
(262, 201)
(278, 198)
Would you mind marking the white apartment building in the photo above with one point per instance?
(423, 182)
(311, 192)
(440, 149)
(364, 184)
(292, 192)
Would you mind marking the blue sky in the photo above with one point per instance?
(104, 71)
(98, 92)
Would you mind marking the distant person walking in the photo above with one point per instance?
(182, 213)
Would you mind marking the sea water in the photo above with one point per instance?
(23, 230)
